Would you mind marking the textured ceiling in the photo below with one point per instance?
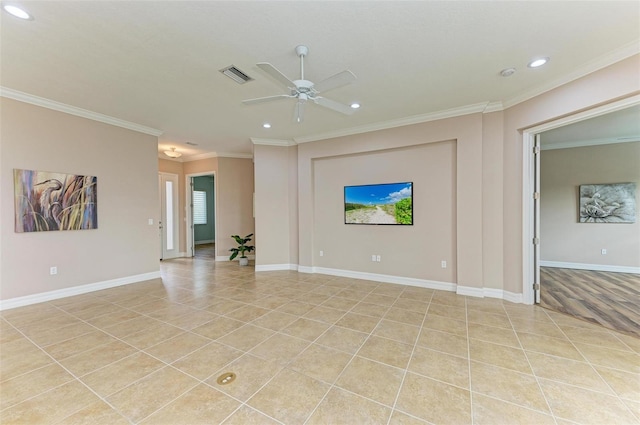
(155, 63)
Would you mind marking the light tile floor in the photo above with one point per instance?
(306, 349)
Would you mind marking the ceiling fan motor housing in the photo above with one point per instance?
(304, 90)
(304, 86)
(302, 50)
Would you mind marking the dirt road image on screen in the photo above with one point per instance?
(389, 203)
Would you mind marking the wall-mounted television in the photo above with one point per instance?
(388, 203)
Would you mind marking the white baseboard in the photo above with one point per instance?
(75, 290)
(470, 291)
(226, 257)
(489, 293)
(178, 254)
(423, 283)
(596, 267)
(511, 296)
(306, 269)
(205, 241)
(274, 267)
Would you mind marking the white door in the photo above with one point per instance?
(536, 219)
(169, 235)
(191, 229)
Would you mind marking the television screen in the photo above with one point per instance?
(389, 203)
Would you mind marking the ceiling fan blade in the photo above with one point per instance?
(298, 113)
(332, 104)
(277, 75)
(340, 79)
(266, 99)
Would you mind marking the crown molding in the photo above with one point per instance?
(547, 146)
(206, 155)
(272, 142)
(415, 119)
(603, 61)
(199, 156)
(79, 112)
(235, 155)
(493, 107)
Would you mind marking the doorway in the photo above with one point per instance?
(201, 215)
(168, 225)
(530, 264)
(562, 255)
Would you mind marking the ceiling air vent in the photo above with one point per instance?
(236, 75)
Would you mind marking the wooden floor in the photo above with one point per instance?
(609, 299)
(206, 251)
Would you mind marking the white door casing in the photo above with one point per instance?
(169, 222)
(530, 268)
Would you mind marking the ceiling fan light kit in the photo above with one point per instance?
(304, 90)
(172, 153)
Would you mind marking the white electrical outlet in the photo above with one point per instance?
(322, 253)
(53, 270)
(378, 258)
(150, 222)
(443, 264)
(604, 251)
(373, 257)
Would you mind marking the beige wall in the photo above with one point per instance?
(124, 161)
(273, 221)
(293, 204)
(563, 237)
(492, 200)
(409, 251)
(235, 202)
(486, 163)
(234, 196)
(609, 84)
(467, 168)
(488, 169)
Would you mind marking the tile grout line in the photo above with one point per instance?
(185, 299)
(285, 366)
(551, 412)
(75, 379)
(202, 382)
(615, 393)
(466, 310)
(139, 350)
(135, 381)
(353, 356)
(406, 369)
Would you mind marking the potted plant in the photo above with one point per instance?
(242, 248)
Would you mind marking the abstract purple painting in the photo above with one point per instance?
(54, 201)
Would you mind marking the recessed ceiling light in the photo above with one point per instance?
(17, 12)
(266, 125)
(355, 105)
(538, 62)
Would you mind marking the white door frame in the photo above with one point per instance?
(189, 210)
(174, 252)
(528, 182)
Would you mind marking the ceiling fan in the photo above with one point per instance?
(305, 90)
